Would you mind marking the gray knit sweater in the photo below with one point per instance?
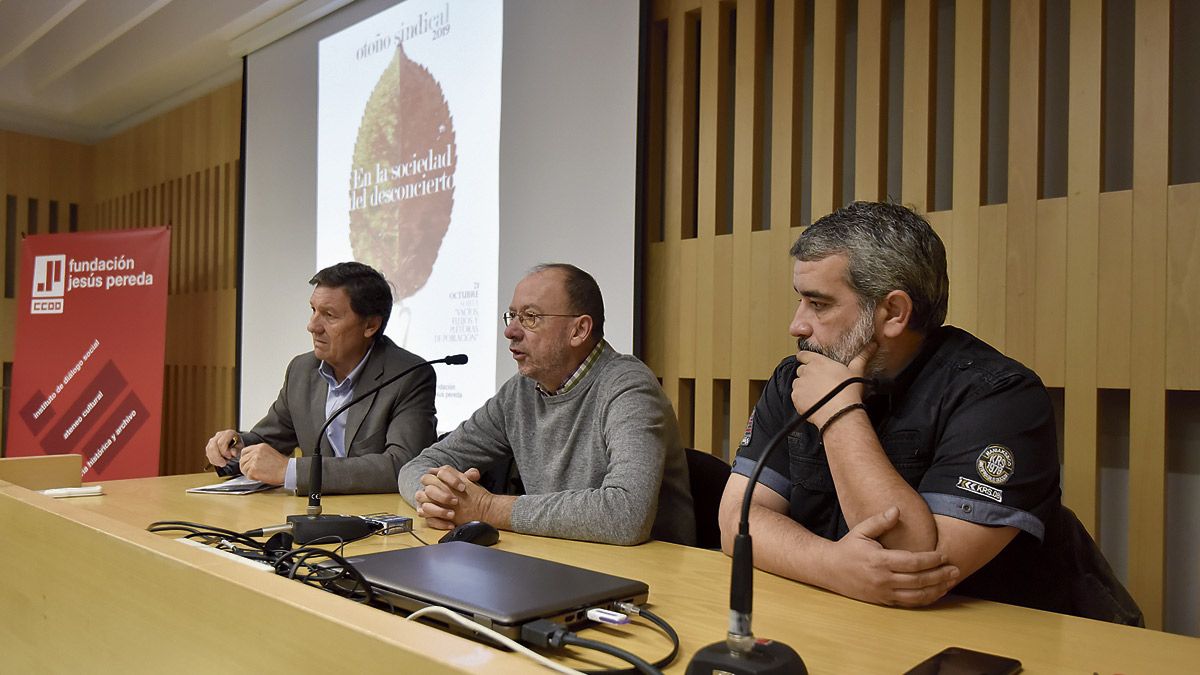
(602, 462)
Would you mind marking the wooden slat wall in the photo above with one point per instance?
(1147, 386)
(1059, 282)
(44, 170)
(181, 169)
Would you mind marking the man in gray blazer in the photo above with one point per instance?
(368, 443)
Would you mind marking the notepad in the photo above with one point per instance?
(234, 486)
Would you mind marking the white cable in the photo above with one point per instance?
(502, 639)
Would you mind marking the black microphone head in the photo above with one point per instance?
(455, 360)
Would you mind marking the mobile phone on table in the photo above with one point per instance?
(959, 661)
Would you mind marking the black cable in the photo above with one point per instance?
(199, 528)
(546, 633)
(666, 628)
(296, 564)
(311, 566)
(630, 608)
(414, 534)
(641, 666)
(327, 540)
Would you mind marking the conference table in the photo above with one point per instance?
(86, 587)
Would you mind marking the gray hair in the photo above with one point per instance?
(888, 248)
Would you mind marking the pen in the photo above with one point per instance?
(89, 491)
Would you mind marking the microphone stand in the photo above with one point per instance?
(312, 525)
(741, 652)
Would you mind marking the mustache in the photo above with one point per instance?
(806, 345)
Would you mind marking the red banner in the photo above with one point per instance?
(91, 336)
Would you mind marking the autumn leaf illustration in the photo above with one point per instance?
(406, 143)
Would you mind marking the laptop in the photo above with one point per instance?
(494, 588)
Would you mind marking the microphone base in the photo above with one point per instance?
(766, 658)
(329, 529)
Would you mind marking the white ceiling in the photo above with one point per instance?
(84, 70)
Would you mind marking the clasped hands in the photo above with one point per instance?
(450, 497)
(858, 566)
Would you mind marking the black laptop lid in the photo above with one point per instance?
(504, 587)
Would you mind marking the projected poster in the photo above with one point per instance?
(407, 180)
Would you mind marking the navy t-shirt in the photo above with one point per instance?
(971, 430)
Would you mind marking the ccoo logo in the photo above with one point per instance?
(49, 284)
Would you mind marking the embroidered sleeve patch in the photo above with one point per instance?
(995, 464)
(977, 488)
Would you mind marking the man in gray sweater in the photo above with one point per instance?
(591, 432)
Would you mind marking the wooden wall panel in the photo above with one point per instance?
(870, 121)
(787, 119)
(34, 172)
(970, 50)
(1026, 39)
(1069, 285)
(1051, 297)
(1147, 391)
(920, 51)
(992, 272)
(191, 166)
(1114, 284)
(1183, 284)
(1080, 471)
(715, 77)
(744, 312)
(827, 102)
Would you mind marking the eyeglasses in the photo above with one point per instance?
(528, 320)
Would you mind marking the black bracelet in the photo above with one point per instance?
(839, 414)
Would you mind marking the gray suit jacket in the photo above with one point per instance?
(383, 431)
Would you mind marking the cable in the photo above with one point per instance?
(330, 577)
(199, 529)
(551, 634)
(504, 640)
(311, 566)
(642, 666)
(547, 633)
(414, 534)
(630, 608)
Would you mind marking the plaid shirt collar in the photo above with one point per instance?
(577, 376)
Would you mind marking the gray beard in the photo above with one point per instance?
(849, 344)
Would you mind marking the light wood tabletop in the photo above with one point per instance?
(688, 588)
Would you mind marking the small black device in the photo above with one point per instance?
(232, 469)
(473, 532)
(960, 661)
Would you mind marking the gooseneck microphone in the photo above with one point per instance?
(313, 526)
(740, 652)
(314, 473)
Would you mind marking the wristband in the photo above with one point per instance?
(839, 414)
